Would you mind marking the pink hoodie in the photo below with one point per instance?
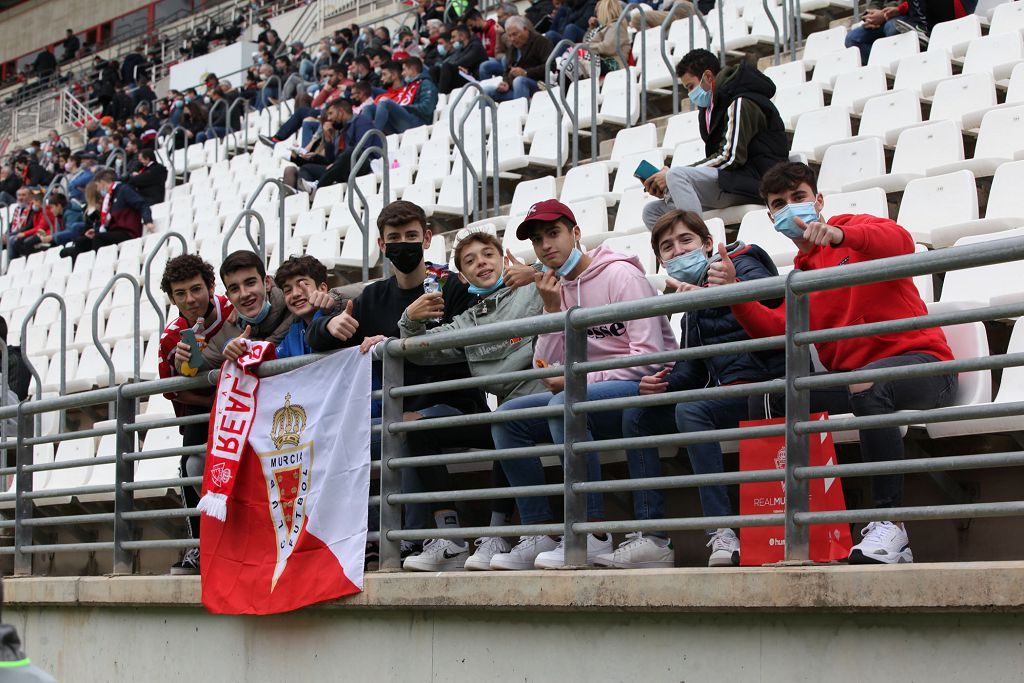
(611, 278)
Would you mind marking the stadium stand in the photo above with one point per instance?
(918, 133)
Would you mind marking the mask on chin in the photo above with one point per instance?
(259, 317)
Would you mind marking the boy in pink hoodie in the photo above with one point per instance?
(574, 278)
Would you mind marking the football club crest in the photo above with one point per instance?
(287, 471)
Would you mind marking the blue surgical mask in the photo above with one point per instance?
(408, 79)
(457, 45)
(574, 258)
(689, 267)
(334, 49)
(442, 50)
(188, 98)
(784, 219)
(487, 291)
(700, 97)
(260, 317)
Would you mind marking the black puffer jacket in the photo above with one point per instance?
(717, 325)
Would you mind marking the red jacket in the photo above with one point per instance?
(867, 238)
(40, 226)
(220, 310)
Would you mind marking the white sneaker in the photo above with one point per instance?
(308, 186)
(439, 555)
(884, 543)
(524, 554)
(555, 559)
(639, 552)
(725, 549)
(486, 548)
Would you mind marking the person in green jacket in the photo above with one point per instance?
(493, 278)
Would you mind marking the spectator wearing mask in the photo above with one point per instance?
(466, 57)
(78, 219)
(188, 281)
(498, 61)
(492, 278)
(603, 38)
(795, 205)
(303, 281)
(322, 151)
(685, 248)
(23, 219)
(485, 29)
(414, 105)
(30, 171)
(9, 184)
(526, 62)
(47, 221)
(218, 121)
(574, 278)
(743, 138)
(259, 305)
(151, 180)
(123, 216)
(308, 115)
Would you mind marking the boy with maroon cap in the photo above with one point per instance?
(570, 278)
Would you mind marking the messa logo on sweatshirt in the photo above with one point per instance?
(602, 331)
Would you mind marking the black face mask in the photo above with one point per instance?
(405, 256)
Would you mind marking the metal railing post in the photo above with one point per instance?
(211, 133)
(115, 154)
(136, 342)
(625, 63)
(559, 111)
(665, 28)
(574, 464)
(124, 499)
(63, 351)
(776, 44)
(798, 365)
(393, 375)
(362, 154)
(259, 246)
(23, 506)
(467, 167)
(148, 265)
(282, 191)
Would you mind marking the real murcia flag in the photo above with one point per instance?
(286, 484)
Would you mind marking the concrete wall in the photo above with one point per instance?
(942, 622)
(30, 25)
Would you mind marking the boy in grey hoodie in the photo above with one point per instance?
(478, 257)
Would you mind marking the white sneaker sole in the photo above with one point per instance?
(651, 564)
(478, 565)
(731, 561)
(455, 564)
(503, 562)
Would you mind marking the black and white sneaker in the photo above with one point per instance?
(884, 543)
(189, 565)
(267, 140)
(440, 555)
(904, 26)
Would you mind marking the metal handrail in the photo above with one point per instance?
(775, 28)
(481, 100)
(136, 343)
(643, 63)
(263, 92)
(115, 154)
(260, 246)
(63, 342)
(211, 133)
(665, 26)
(574, 323)
(361, 154)
(559, 114)
(574, 111)
(164, 238)
(282, 191)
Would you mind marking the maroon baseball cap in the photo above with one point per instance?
(547, 211)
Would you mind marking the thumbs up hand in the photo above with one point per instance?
(238, 346)
(517, 273)
(722, 272)
(343, 325)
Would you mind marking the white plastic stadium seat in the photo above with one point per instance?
(846, 162)
(918, 150)
(853, 88)
(757, 228)
(828, 66)
(793, 101)
(1000, 139)
(816, 130)
(887, 52)
(870, 201)
(922, 72)
(954, 36)
(996, 54)
(939, 210)
(991, 285)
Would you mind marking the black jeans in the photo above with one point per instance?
(338, 172)
(883, 398)
(192, 465)
(99, 239)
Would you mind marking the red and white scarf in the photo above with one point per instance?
(105, 207)
(230, 424)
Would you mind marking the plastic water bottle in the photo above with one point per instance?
(431, 285)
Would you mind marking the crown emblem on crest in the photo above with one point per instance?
(289, 421)
(780, 459)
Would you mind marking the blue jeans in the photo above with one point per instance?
(863, 38)
(492, 67)
(705, 458)
(295, 121)
(391, 118)
(309, 129)
(524, 433)
(307, 70)
(521, 87)
(570, 32)
(218, 132)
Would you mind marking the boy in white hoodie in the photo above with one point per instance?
(573, 278)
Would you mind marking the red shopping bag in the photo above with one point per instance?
(767, 545)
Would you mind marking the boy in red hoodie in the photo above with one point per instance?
(574, 278)
(795, 205)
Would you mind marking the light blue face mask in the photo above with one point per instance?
(442, 50)
(457, 45)
(260, 317)
(700, 97)
(689, 267)
(574, 258)
(487, 291)
(785, 223)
